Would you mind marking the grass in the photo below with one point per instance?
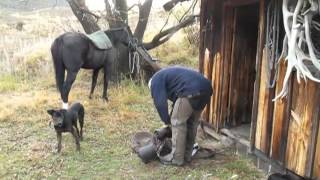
(28, 144)
(8, 83)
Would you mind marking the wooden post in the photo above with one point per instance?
(260, 45)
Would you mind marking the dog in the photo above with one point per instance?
(66, 121)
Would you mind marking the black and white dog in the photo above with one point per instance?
(66, 121)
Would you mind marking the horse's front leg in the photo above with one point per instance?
(94, 81)
(71, 76)
(106, 82)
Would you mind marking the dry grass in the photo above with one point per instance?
(28, 144)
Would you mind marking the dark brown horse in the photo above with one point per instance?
(72, 51)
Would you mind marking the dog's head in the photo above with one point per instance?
(57, 117)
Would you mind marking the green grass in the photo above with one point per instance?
(8, 83)
(28, 144)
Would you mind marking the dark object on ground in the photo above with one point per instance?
(203, 153)
(66, 121)
(140, 139)
(72, 51)
(148, 152)
(148, 146)
(278, 176)
(163, 133)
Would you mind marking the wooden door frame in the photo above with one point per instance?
(225, 46)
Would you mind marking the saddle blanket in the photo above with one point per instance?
(100, 40)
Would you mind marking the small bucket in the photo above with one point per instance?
(147, 153)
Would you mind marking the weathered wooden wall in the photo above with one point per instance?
(285, 130)
(303, 125)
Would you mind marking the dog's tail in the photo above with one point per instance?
(56, 52)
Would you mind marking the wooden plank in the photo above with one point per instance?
(227, 49)
(265, 109)
(148, 59)
(262, 111)
(316, 164)
(235, 137)
(207, 63)
(215, 86)
(232, 71)
(314, 135)
(260, 45)
(280, 119)
(304, 111)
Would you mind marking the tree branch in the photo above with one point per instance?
(131, 7)
(80, 10)
(165, 35)
(171, 4)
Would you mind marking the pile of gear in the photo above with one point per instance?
(151, 147)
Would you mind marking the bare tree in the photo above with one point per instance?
(117, 16)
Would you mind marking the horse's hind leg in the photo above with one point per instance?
(106, 81)
(71, 76)
(94, 81)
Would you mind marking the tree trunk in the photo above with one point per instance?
(122, 8)
(80, 10)
(144, 12)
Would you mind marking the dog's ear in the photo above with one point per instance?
(50, 111)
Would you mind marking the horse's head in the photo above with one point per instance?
(122, 35)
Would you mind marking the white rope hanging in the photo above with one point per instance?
(134, 62)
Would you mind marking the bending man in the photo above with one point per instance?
(190, 91)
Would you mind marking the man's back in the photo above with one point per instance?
(180, 82)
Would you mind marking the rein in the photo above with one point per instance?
(134, 57)
(134, 61)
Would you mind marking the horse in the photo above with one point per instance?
(72, 51)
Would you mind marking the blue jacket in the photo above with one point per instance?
(174, 82)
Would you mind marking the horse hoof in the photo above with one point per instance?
(90, 97)
(105, 99)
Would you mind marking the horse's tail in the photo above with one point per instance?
(56, 52)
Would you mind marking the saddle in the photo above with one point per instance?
(100, 40)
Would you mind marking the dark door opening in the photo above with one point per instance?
(242, 68)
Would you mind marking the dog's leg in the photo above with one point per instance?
(76, 138)
(59, 137)
(81, 119)
(77, 129)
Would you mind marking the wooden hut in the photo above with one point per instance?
(238, 52)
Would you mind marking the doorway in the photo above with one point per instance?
(242, 68)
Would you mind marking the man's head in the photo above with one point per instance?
(57, 117)
(149, 83)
